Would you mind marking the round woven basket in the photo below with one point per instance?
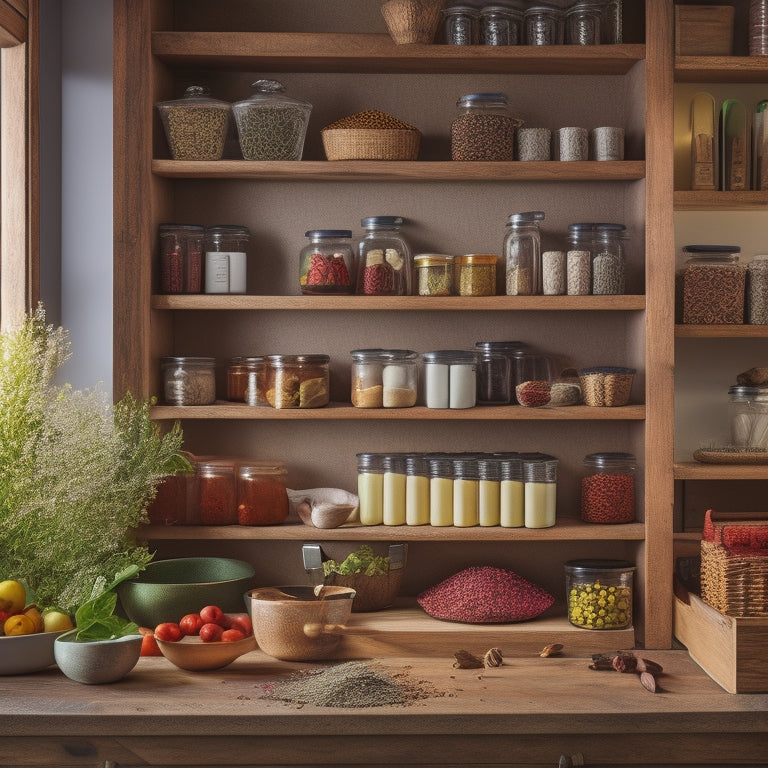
(373, 593)
(371, 143)
(412, 21)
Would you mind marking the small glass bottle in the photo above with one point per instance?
(540, 477)
(416, 489)
(217, 493)
(483, 129)
(583, 23)
(543, 25)
(370, 488)
(500, 25)
(441, 491)
(608, 488)
(393, 493)
(298, 381)
(522, 252)
(489, 491)
(461, 25)
(326, 263)
(475, 274)
(465, 493)
(225, 259)
(181, 258)
(262, 498)
(189, 380)
(434, 274)
(512, 492)
(385, 264)
(757, 290)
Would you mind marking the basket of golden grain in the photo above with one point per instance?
(371, 135)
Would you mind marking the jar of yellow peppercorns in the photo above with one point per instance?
(599, 593)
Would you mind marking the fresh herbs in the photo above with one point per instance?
(363, 560)
(96, 619)
(76, 473)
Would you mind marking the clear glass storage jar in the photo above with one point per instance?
(494, 378)
(522, 254)
(757, 290)
(583, 23)
(712, 285)
(326, 263)
(475, 274)
(608, 488)
(540, 478)
(748, 416)
(450, 378)
(216, 492)
(416, 489)
(271, 125)
(544, 25)
(189, 380)
(298, 381)
(501, 25)
(246, 379)
(181, 258)
(461, 25)
(226, 251)
(484, 128)
(262, 498)
(384, 378)
(370, 488)
(434, 274)
(385, 264)
(195, 125)
(609, 260)
(599, 593)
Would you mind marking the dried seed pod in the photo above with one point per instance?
(646, 665)
(624, 662)
(467, 660)
(648, 681)
(553, 649)
(493, 658)
(602, 661)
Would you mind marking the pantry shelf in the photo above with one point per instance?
(347, 412)
(377, 53)
(725, 331)
(694, 470)
(563, 531)
(336, 303)
(721, 69)
(705, 200)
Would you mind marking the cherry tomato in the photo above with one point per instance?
(212, 614)
(168, 631)
(149, 646)
(231, 635)
(191, 623)
(211, 633)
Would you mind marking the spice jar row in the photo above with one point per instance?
(512, 490)
(223, 491)
(589, 22)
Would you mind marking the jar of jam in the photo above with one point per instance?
(434, 274)
(216, 492)
(246, 378)
(189, 380)
(181, 258)
(262, 498)
(326, 263)
(475, 274)
(298, 381)
(384, 266)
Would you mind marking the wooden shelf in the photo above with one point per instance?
(347, 412)
(634, 302)
(400, 170)
(725, 331)
(694, 470)
(704, 200)
(721, 69)
(570, 530)
(377, 53)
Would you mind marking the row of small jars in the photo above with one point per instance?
(223, 491)
(466, 489)
(588, 22)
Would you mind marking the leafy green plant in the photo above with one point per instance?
(76, 472)
(96, 618)
(362, 560)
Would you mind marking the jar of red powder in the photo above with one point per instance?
(608, 488)
(216, 493)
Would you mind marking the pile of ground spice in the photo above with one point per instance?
(353, 684)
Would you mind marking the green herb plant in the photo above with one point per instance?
(96, 619)
(362, 560)
(76, 473)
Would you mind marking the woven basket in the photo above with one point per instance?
(412, 21)
(606, 388)
(371, 143)
(373, 592)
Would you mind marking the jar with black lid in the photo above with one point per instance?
(484, 129)
(326, 263)
(385, 264)
(711, 285)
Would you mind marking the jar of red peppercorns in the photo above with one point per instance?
(326, 263)
(385, 264)
(608, 488)
(181, 258)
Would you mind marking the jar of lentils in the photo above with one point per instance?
(189, 380)
(484, 128)
(298, 381)
(475, 274)
(434, 274)
(461, 25)
(326, 263)
(384, 266)
(608, 488)
(712, 285)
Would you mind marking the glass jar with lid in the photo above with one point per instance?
(496, 368)
(484, 129)
(599, 593)
(608, 488)
(748, 412)
(262, 498)
(434, 274)
(385, 264)
(712, 284)
(271, 125)
(216, 492)
(298, 381)
(475, 274)
(189, 380)
(522, 252)
(583, 23)
(195, 125)
(543, 25)
(326, 263)
(246, 378)
(370, 488)
(226, 251)
(609, 260)
(540, 478)
(181, 258)
(461, 25)
(757, 290)
(384, 378)
(501, 25)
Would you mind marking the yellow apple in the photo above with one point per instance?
(19, 624)
(13, 596)
(56, 621)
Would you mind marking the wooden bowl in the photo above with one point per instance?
(192, 653)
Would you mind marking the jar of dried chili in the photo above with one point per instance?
(326, 263)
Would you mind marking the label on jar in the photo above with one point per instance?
(225, 272)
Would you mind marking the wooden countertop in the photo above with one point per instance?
(532, 709)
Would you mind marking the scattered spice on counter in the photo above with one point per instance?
(353, 684)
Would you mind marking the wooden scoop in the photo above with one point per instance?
(317, 629)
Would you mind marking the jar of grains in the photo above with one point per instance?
(461, 25)
(189, 380)
(450, 379)
(246, 379)
(271, 126)
(475, 274)
(384, 266)
(216, 492)
(326, 263)
(599, 593)
(757, 290)
(225, 259)
(608, 488)
(483, 129)
(298, 381)
(544, 25)
(262, 498)
(434, 274)
(583, 23)
(501, 25)
(195, 125)
(522, 252)
(181, 258)
(712, 285)
(609, 260)
(384, 378)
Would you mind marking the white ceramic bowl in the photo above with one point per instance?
(192, 653)
(97, 661)
(22, 654)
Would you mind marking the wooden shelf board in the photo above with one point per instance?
(633, 302)
(725, 331)
(694, 470)
(569, 530)
(705, 200)
(377, 53)
(721, 69)
(400, 170)
(347, 412)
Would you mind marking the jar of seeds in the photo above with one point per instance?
(434, 274)
(195, 125)
(543, 25)
(384, 266)
(501, 25)
(461, 25)
(475, 274)
(483, 129)
(326, 263)
(712, 285)
(608, 261)
(271, 126)
(189, 380)
(522, 251)
(757, 290)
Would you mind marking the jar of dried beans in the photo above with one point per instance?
(608, 488)
(712, 284)
(181, 258)
(434, 274)
(216, 493)
(522, 253)
(298, 381)
(599, 593)
(262, 498)
(609, 260)
(384, 378)
(189, 380)
(475, 274)
(326, 263)
(484, 128)
(384, 265)
(271, 125)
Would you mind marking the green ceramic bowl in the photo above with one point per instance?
(166, 590)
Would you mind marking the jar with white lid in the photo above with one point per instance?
(326, 263)
(434, 274)
(748, 412)
(189, 380)
(484, 129)
(501, 25)
(522, 253)
(450, 379)
(385, 264)
(226, 249)
(384, 378)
